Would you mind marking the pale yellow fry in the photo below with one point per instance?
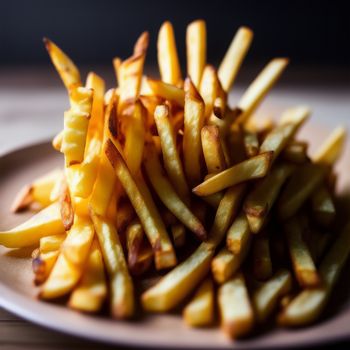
(76, 122)
(299, 188)
(91, 291)
(265, 298)
(260, 200)
(51, 243)
(45, 223)
(57, 141)
(212, 149)
(196, 49)
(179, 282)
(168, 196)
(145, 209)
(253, 168)
(193, 123)
(259, 88)
(331, 149)
(238, 234)
(308, 305)
(234, 57)
(168, 61)
(277, 139)
(261, 256)
(65, 67)
(199, 312)
(43, 264)
(166, 91)
(171, 157)
(303, 265)
(121, 285)
(237, 316)
(208, 88)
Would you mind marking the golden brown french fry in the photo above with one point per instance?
(180, 282)
(51, 243)
(253, 168)
(308, 305)
(262, 264)
(251, 143)
(57, 141)
(66, 206)
(295, 152)
(125, 214)
(212, 149)
(199, 312)
(178, 232)
(144, 260)
(303, 265)
(237, 316)
(238, 234)
(65, 67)
(167, 194)
(266, 297)
(43, 264)
(38, 192)
(142, 43)
(46, 222)
(329, 152)
(196, 49)
(76, 122)
(91, 291)
(134, 238)
(260, 200)
(150, 103)
(193, 122)
(323, 207)
(208, 88)
(171, 156)
(168, 61)
(166, 91)
(234, 57)
(259, 88)
(301, 185)
(121, 286)
(145, 209)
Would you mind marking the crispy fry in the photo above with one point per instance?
(253, 168)
(145, 209)
(237, 316)
(208, 88)
(134, 238)
(168, 60)
(238, 234)
(234, 57)
(251, 143)
(57, 141)
(199, 312)
(196, 49)
(51, 243)
(121, 286)
(166, 91)
(258, 89)
(42, 265)
(262, 264)
(193, 122)
(66, 207)
(323, 207)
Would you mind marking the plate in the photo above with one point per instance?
(18, 294)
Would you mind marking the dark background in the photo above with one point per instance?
(309, 32)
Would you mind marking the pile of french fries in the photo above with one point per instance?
(163, 174)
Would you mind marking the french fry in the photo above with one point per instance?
(295, 152)
(145, 209)
(253, 168)
(303, 265)
(51, 243)
(309, 304)
(212, 149)
(214, 199)
(196, 49)
(45, 223)
(193, 122)
(234, 57)
(237, 316)
(262, 264)
(121, 286)
(124, 215)
(168, 60)
(166, 91)
(66, 206)
(38, 191)
(57, 141)
(260, 200)
(171, 156)
(266, 297)
(168, 196)
(91, 291)
(76, 121)
(331, 149)
(150, 103)
(178, 231)
(251, 143)
(199, 312)
(65, 67)
(259, 88)
(42, 265)
(208, 89)
(134, 238)
(300, 186)
(323, 207)
(238, 234)
(144, 260)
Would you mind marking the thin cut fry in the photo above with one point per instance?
(51, 243)
(251, 143)
(178, 232)
(167, 91)
(238, 234)
(323, 207)
(208, 88)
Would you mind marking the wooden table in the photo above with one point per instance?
(31, 109)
